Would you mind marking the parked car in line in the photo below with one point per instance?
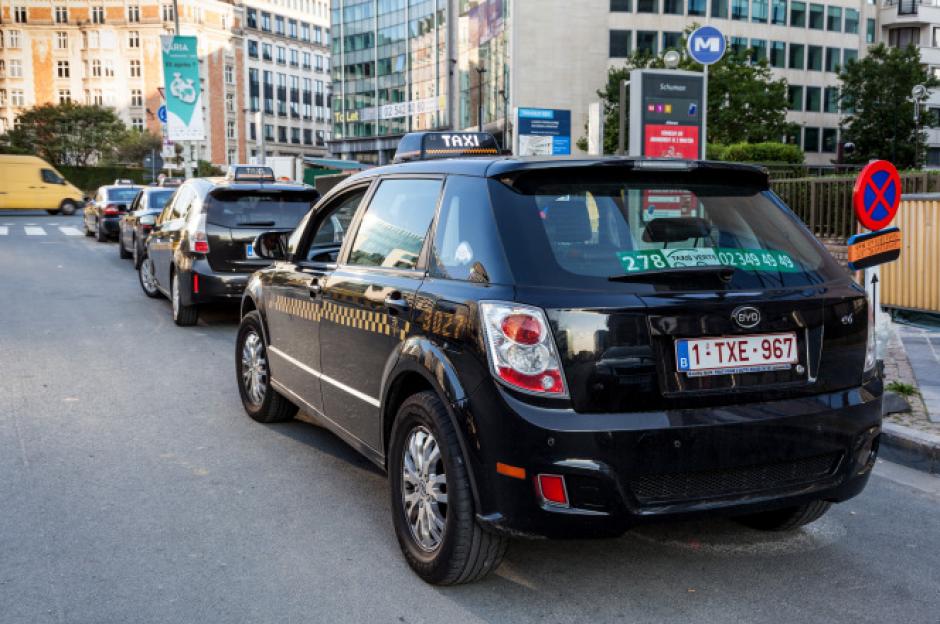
(201, 247)
(135, 225)
(103, 212)
(30, 183)
(566, 347)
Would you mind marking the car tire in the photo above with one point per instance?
(786, 519)
(138, 254)
(148, 280)
(123, 253)
(100, 234)
(253, 375)
(463, 551)
(183, 315)
(68, 207)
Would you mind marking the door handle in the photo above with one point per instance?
(314, 288)
(396, 304)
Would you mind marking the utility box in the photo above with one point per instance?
(667, 114)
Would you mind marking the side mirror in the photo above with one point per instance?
(271, 245)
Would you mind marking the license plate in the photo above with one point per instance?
(250, 251)
(700, 357)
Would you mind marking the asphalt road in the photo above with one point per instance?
(133, 488)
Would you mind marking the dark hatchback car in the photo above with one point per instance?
(136, 224)
(103, 213)
(567, 347)
(200, 249)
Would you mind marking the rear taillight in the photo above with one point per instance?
(146, 228)
(521, 348)
(870, 347)
(198, 240)
(111, 209)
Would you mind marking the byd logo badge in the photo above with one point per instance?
(746, 316)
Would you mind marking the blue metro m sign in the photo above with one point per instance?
(706, 45)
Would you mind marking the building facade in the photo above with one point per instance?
(402, 65)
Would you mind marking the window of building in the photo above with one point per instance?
(230, 129)
(61, 15)
(797, 13)
(833, 59)
(3, 68)
(834, 18)
(168, 13)
(759, 50)
(778, 54)
(870, 30)
(268, 132)
(252, 48)
(697, 7)
(903, 37)
(816, 16)
(229, 73)
(739, 10)
(810, 139)
(281, 55)
(304, 31)
(137, 97)
(62, 40)
(96, 68)
(265, 21)
(620, 43)
(305, 64)
(621, 6)
(778, 12)
(671, 40)
(308, 136)
(62, 69)
(647, 6)
(134, 68)
(759, 11)
(3, 97)
(814, 58)
(795, 97)
(267, 52)
(278, 24)
(720, 8)
(295, 136)
(646, 41)
(738, 46)
(230, 102)
(831, 100)
(318, 62)
(19, 14)
(848, 55)
(108, 67)
(673, 7)
(97, 14)
(282, 134)
(65, 96)
(830, 138)
(317, 34)
(321, 138)
(813, 99)
(17, 97)
(16, 68)
(137, 123)
(294, 58)
(91, 39)
(252, 132)
(230, 157)
(133, 39)
(13, 39)
(251, 17)
(292, 29)
(851, 21)
(133, 13)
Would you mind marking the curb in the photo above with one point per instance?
(910, 447)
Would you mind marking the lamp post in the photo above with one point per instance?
(480, 71)
(918, 93)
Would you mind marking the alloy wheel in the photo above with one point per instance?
(254, 368)
(424, 489)
(147, 276)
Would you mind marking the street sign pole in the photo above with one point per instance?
(706, 45)
(704, 154)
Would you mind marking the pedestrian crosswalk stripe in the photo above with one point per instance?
(70, 231)
(3, 230)
(34, 231)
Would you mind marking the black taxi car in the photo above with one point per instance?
(200, 249)
(566, 347)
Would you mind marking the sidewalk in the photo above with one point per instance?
(912, 356)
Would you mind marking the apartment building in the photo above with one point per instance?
(403, 65)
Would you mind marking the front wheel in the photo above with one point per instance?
(253, 375)
(68, 208)
(786, 519)
(432, 505)
(122, 253)
(148, 278)
(183, 315)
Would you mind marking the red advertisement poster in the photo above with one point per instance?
(663, 141)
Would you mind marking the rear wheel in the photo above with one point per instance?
(262, 402)
(183, 315)
(148, 278)
(786, 519)
(432, 506)
(137, 254)
(100, 234)
(68, 207)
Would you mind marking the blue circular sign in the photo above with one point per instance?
(707, 45)
(161, 114)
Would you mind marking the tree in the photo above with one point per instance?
(135, 145)
(66, 134)
(876, 96)
(745, 103)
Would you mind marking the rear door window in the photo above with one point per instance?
(395, 224)
(123, 195)
(156, 200)
(258, 208)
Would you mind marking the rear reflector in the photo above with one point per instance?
(552, 489)
(510, 471)
(196, 283)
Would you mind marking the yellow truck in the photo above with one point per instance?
(30, 183)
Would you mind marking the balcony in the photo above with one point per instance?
(909, 12)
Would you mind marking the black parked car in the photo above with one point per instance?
(201, 247)
(566, 347)
(135, 225)
(103, 213)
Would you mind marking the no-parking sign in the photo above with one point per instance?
(877, 194)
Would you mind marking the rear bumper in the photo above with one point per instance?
(626, 469)
(208, 286)
(110, 225)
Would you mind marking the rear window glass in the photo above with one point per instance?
(158, 199)
(262, 208)
(559, 232)
(124, 195)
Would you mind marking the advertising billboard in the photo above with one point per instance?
(543, 132)
(666, 114)
(183, 93)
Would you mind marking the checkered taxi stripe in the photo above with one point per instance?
(366, 320)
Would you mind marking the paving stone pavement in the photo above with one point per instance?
(911, 356)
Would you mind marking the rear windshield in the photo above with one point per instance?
(158, 199)
(123, 195)
(262, 208)
(560, 233)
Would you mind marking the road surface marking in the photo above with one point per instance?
(70, 231)
(4, 230)
(34, 231)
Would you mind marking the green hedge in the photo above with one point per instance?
(90, 178)
(757, 153)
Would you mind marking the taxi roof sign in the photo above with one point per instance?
(250, 173)
(432, 145)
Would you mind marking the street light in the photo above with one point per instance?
(918, 93)
(480, 71)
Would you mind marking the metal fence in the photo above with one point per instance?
(825, 204)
